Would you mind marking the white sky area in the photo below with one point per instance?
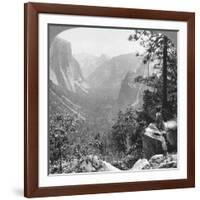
(98, 41)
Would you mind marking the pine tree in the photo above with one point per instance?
(161, 52)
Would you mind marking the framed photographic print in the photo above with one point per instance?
(109, 99)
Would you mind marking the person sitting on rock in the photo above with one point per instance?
(159, 119)
(161, 127)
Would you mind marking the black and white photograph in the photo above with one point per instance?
(112, 99)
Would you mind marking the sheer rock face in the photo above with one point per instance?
(66, 83)
(107, 78)
(64, 69)
(129, 91)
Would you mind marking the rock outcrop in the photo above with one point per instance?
(141, 164)
(128, 91)
(90, 163)
(161, 161)
(64, 69)
(158, 161)
(152, 142)
(171, 134)
(155, 141)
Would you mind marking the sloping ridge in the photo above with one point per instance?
(59, 102)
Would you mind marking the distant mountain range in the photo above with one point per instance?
(89, 63)
(92, 87)
(108, 77)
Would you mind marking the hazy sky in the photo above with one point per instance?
(98, 41)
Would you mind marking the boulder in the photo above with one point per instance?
(171, 134)
(160, 161)
(141, 164)
(108, 167)
(171, 137)
(171, 164)
(170, 125)
(152, 141)
(158, 142)
(86, 166)
(92, 163)
(120, 165)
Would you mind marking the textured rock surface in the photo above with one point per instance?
(141, 164)
(152, 142)
(65, 71)
(92, 163)
(171, 134)
(160, 161)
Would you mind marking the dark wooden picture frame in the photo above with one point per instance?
(31, 105)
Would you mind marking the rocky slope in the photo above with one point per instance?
(64, 102)
(93, 163)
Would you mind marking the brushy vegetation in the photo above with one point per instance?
(71, 139)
